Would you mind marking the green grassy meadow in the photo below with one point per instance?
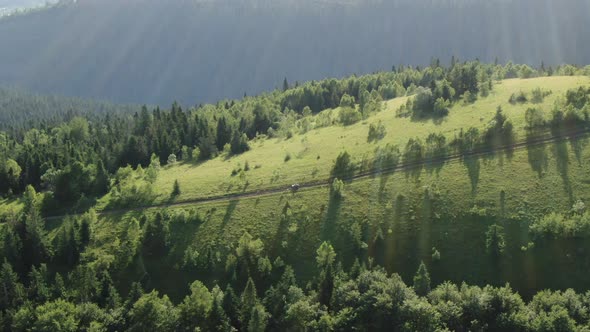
(312, 154)
(448, 207)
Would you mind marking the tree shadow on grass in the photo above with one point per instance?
(578, 145)
(382, 185)
(473, 165)
(282, 233)
(434, 166)
(537, 153)
(332, 214)
(538, 158)
(229, 211)
(414, 171)
(562, 160)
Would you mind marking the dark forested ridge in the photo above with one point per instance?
(20, 109)
(199, 51)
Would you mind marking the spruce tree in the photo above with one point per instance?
(231, 306)
(59, 287)
(11, 246)
(249, 299)
(422, 281)
(258, 319)
(102, 181)
(11, 290)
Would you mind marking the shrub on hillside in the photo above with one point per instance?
(239, 143)
(337, 188)
(349, 116)
(441, 108)
(343, 167)
(578, 98)
(466, 141)
(436, 146)
(538, 95)
(347, 101)
(469, 98)
(534, 118)
(570, 116)
(562, 227)
(519, 98)
(386, 157)
(499, 130)
(171, 159)
(414, 151)
(376, 132)
(423, 104)
(129, 189)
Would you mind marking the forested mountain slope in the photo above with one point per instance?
(200, 51)
(466, 237)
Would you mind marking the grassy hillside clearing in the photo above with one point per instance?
(448, 208)
(308, 157)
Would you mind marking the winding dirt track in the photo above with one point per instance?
(321, 183)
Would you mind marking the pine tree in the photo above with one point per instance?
(39, 290)
(239, 143)
(285, 84)
(59, 287)
(85, 228)
(11, 291)
(71, 251)
(107, 296)
(135, 293)
(326, 286)
(422, 281)
(217, 319)
(224, 133)
(249, 299)
(35, 249)
(258, 319)
(102, 181)
(12, 246)
(231, 306)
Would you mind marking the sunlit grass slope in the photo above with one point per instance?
(312, 154)
(449, 207)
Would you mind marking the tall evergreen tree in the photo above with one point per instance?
(422, 281)
(11, 290)
(102, 181)
(249, 300)
(231, 306)
(39, 289)
(224, 133)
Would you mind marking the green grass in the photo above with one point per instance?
(464, 200)
(313, 153)
(445, 206)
